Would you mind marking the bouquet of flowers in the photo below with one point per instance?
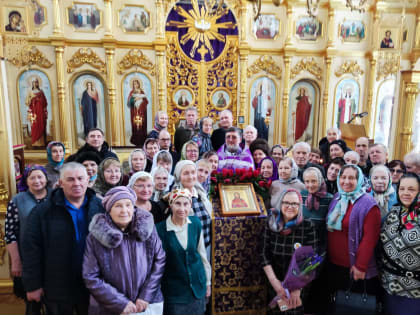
(240, 175)
(301, 271)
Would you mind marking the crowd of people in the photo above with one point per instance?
(92, 235)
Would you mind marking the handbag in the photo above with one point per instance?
(347, 302)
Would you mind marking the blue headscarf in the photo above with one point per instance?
(49, 155)
(335, 218)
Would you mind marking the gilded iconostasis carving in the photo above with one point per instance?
(292, 70)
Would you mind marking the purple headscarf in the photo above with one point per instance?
(23, 185)
(275, 175)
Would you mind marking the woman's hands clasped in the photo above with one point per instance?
(139, 307)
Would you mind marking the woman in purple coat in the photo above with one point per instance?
(124, 260)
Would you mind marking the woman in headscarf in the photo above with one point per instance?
(136, 163)
(268, 169)
(190, 151)
(353, 224)
(277, 153)
(55, 155)
(186, 177)
(381, 188)
(123, 237)
(142, 184)
(160, 179)
(288, 178)
(91, 161)
(161, 122)
(187, 277)
(286, 229)
(32, 191)
(164, 159)
(203, 137)
(399, 245)
(109, 176)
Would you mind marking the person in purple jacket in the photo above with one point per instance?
(124, 259)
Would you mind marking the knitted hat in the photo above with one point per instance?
(88, 156)
(341, 143)
(178, 193)
(118, 193)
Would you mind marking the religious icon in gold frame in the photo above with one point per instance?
(183, 97)
(221, 98)
(238, 200)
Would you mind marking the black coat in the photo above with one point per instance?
(104, 153)
(50, 255)
(218, 138)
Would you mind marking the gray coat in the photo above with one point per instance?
(119, 266)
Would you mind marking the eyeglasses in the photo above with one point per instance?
(393, 170)
(290, 204)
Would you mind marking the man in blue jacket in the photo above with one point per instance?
(54, 243)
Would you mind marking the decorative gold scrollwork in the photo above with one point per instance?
(30, 55)
(135, 57)
(349, 66)
(85, 55)
(307, 64)
(267, 64)
(388, 64)
(4, 198)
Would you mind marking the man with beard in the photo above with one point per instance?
(231, 156)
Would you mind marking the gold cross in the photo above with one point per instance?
(32, 118)
(138, 121)
(203, 51)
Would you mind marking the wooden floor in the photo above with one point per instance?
(10, 305)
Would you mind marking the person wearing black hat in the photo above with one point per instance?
(338, 148)
(90, 160)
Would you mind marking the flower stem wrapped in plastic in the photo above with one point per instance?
(301, 271)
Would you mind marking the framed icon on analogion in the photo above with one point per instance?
(238, 200)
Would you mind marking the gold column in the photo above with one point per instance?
(160, 23)
(112, 101)
(243, 106)
(243, 31)
(108, 19)
(409, 105)
(290, 30)
(65, 127)
(285, 101)
(331, 26)
(58, 26)
(323, 123)
(161, 77)
(371, 85)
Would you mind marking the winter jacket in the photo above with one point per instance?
(104, 153)
(51, 258)
(119, 266)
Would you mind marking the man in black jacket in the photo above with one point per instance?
(95, 141)
(54, 243)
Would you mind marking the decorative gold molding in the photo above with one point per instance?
(135, 57)
(4, 198)
(388, 65)
(85, 55)
(309, 65)
(30, 55)
(267, 64)
(349, 66)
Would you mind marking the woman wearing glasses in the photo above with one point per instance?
(286, 230)
(353, 224)
(397, 169)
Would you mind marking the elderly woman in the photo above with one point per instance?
(337, 149)
(353, 224)
(268, 169)
(161, 122)
(55, 156)
(187, 277)
(381, 188)
(286, 228)
(123, 237)
(109, 176)
(33, 190)
(288, 178)
(277, 153)
(397, 169)
(203, 137)
(142, 184)
(400, 257)
(190, 151)
(160, 178)
(91, 161)
(186, 177)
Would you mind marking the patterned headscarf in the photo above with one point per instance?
(294, 175)
(275, 175)
(49, 154)
(410, 215)
(313, 200)
(101, 186)
(178, 193)
(335, 218)
(23, 185)
(382, 198)
(156, 125)
(276, 220)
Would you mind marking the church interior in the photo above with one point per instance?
(348, 59)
